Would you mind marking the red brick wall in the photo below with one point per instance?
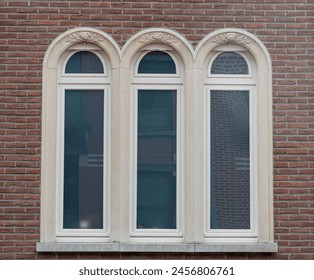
(28, 27)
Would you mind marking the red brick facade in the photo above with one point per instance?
(27, 28)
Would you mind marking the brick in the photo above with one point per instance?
(28, 27)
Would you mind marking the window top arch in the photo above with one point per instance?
(84, 62)
(158, 39)
(236, 40)
(157, 62)
(229, 63)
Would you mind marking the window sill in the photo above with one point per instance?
(158, 247)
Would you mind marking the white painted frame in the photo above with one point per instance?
(93, 50)
(148, 75)
(228, 83)
(145, 81)
(65, 234)
(234, 235)
(82, 81)
(166, 234)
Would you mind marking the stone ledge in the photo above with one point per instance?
(157, 247)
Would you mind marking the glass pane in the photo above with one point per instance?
(83, 159)
(229, 63)
(230, 160)
(157, 63)
(84, 62)
(156, 159)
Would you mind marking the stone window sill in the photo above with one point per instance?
(158, 247)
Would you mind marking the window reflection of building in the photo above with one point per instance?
(156, 147)
(83, 148)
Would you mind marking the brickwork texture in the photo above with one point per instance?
(27, 28)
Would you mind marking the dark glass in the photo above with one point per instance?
(83, 159)
(84, 63)
(156, 159)
(157, 63)
(230, 159)
(230, 63)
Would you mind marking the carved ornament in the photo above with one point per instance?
(85, 36)
(158, 37)
(231, 37)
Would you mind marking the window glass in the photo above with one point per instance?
(229, 63)
(230, 160)
(83, 159)
(157, 62)
(156, 159)
(84, 62)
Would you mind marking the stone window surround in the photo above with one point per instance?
(193, 63)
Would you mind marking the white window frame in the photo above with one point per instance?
(82, 81)
(233, 82)
(78, 49)
(219, 235)
(157, 82)
(65, 234)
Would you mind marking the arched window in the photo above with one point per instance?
(156, 146)
(84, 62)
(83, 136)
(76, 134)
(231, 124)
(238, 139)
(157, 62)
(157, 134)
(229, 63)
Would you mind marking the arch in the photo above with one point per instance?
(83, 35)
(167, 87)
(236, 40)
(233, 38)
(158, 39)
(85, 39)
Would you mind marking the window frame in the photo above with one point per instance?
(159, 75)
(73, 50)
(218, 235)
(61, 233)
(82, 81)
(232, 82)
(144, 81)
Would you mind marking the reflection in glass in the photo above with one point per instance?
(230, 160)
(230, 63)
(157, 63)
(84, 62)
(156, 159)
(83, 159)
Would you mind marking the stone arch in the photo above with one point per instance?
(161, 38)
(240, 40)
(84, 38)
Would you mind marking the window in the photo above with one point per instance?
(81, 155)
(157, 167)
(157, 146)
(231, 143)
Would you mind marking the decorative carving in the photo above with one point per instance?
(231, 37)
(158, 37)
(85, 36)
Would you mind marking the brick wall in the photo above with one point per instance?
(28, 27)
